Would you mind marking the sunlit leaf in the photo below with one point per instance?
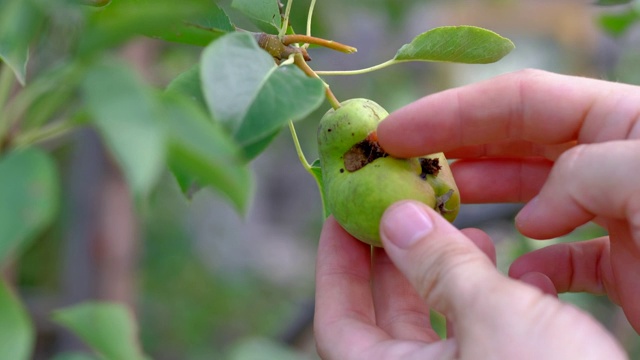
(107, 328)
(17, 335)
(126, 113)
(201, 152)
(29, 193)
(20, 20)
(264, 13)
(249, 94)
(460, 44)
(195, 22)
(619, 23)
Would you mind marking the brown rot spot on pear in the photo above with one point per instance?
(429, 167)
(363, 153)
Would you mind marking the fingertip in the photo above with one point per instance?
(442, 263)
(540, 281)
(546, 217)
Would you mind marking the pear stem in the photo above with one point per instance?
(296, 143)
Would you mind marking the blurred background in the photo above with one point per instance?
(206, 283)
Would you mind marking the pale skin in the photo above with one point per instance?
(570, 148)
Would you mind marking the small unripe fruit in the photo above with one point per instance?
(361, 180)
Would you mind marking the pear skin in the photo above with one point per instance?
(361, 180)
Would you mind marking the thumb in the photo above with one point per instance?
(446, 268)
(493, 316)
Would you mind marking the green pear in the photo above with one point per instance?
(361, 180)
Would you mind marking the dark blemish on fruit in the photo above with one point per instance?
(363, 153)
(329, 130)
(341, 171)
(429, 167)
(441, 202)
(353, 134)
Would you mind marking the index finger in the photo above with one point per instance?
(530, 105)
(344, 314)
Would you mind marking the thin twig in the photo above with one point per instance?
(297, 38)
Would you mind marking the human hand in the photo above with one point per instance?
(569, 146)
(367, 309)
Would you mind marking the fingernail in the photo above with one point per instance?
(405, 223)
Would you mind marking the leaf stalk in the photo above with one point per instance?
(359, 71)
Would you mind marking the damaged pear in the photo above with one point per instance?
(361, 180)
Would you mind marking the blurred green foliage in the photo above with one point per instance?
(190, 309)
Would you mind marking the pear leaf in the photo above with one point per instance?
(194, 22)
(19, 22)
(29, 189)
(619, 23)
(264, 13)
(108, 328)
(17, 335)
(201, 153)
(126, 112)
(249, 94)
(612, 2)
(460, 44)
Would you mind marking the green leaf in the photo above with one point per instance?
(316, 172)
(461, 44)
(201, 152)
(108, 328)
(252, 150)
(618, 24)
(612, 2)
(188, 84)
(17, 335)
(249, 94)
(195, 22)
(29, 189)
(74, 356)
(264, 13)
(262, 349)
(126, 113)
(20, 21)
